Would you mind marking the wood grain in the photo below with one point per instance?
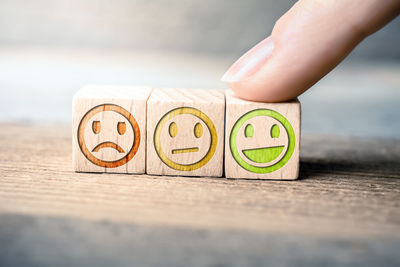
(348, 187)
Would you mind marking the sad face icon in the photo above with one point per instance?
(108, 136)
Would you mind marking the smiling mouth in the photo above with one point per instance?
(263, 154)
(185, 150)
(108, 144)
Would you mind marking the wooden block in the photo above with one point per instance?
(109, 129)
(262, 140)
(185, 132)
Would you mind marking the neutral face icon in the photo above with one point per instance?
(185, 139)
(108, 136)
(262, 141)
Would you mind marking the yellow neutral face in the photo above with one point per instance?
(185, 139)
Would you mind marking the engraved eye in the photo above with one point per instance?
(121, 127)
(173, 129)
(198, 130)
(96, 127)
(275, 132)
(249, 130)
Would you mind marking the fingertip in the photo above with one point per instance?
(262, 92)
(249, 63)
(306, 44)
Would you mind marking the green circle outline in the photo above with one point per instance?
(262, 112)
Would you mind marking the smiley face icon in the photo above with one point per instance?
(185, 139)
(262, 141)
(108, 136)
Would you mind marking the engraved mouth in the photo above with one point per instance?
(263, 154)
(108, 144)
(185, 150)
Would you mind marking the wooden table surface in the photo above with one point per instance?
(344, 210)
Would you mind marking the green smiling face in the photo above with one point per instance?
(262, 141)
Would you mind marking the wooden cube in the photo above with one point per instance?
(185, 132)
(262, 140)
(109, 129)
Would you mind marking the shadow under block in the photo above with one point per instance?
(262, 140)
(185, 132)
(109, 129)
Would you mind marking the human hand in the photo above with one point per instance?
(307, 42)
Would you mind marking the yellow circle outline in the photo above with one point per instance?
(210, 126)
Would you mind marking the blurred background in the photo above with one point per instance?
(50, 48)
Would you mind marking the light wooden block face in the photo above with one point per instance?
(262, 140)
(109, 129)
(185, 132)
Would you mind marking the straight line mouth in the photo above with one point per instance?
(108, 144)
(185, 150)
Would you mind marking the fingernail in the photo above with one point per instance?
(250, 62)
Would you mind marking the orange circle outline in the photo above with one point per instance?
(85, 150)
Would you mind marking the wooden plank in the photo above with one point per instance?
(348, 187)
(49, 241)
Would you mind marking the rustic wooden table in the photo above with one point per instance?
(344, 210)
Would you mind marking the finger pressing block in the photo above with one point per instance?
(109, 129)
(185, 132)
(262, 140)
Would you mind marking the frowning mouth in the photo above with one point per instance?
(108, 144)
(185, 150)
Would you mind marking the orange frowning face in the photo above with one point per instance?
(108, 136)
